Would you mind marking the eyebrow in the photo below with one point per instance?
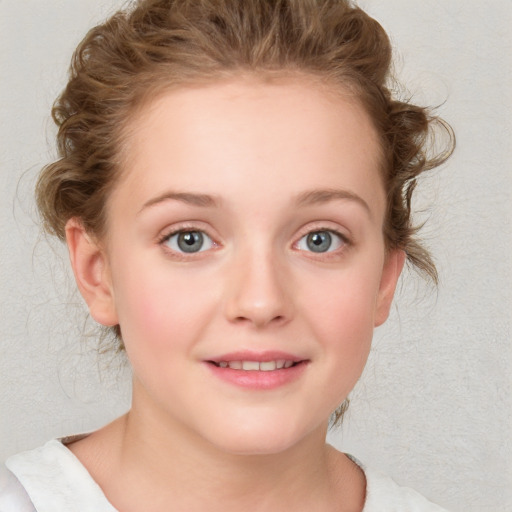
(203, 200)
(308, 198)
(319, 196)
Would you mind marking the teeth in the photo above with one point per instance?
(268, 366)
(264, 366)
(250, 365)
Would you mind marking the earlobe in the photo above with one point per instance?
(92, 273)
(393, 266)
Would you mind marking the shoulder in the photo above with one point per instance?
(385, 495)
(13, 497)
(54, 480)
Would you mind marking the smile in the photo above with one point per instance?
(258, 371)
(258, 375)
(262, 366)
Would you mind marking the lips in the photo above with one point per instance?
(262, 366)
(259, 371)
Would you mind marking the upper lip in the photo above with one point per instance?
(268, 355)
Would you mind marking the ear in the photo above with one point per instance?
(92, 273)
(393, 266)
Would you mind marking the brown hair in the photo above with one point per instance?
(158, 44)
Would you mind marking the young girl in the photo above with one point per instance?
(234, 189)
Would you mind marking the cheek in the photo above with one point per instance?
(341, 314)
(160, 309)
(345, 302)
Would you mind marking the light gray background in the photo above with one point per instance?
(434, 406)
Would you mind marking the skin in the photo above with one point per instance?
(256, 167)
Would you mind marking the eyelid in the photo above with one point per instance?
(187, 227)
(332, 227)
(206, 242)
(343, 237)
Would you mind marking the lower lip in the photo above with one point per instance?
(257, 379)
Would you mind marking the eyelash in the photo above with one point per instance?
(164, 240)
(343, 241)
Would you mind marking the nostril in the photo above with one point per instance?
(260, 320)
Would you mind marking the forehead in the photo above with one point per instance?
(290, 133)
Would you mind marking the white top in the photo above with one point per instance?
(52, 479)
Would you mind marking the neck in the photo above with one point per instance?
(199, 470)
(162, 460)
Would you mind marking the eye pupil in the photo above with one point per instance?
(190, 241)
(319, 241)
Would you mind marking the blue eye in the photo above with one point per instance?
(321, 241)
(189, 241)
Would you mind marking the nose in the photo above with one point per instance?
(258, 291)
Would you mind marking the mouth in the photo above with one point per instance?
(252, 366)
(258, 371)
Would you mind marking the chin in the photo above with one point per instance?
(262, 436)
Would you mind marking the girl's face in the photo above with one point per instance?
(245, 260)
